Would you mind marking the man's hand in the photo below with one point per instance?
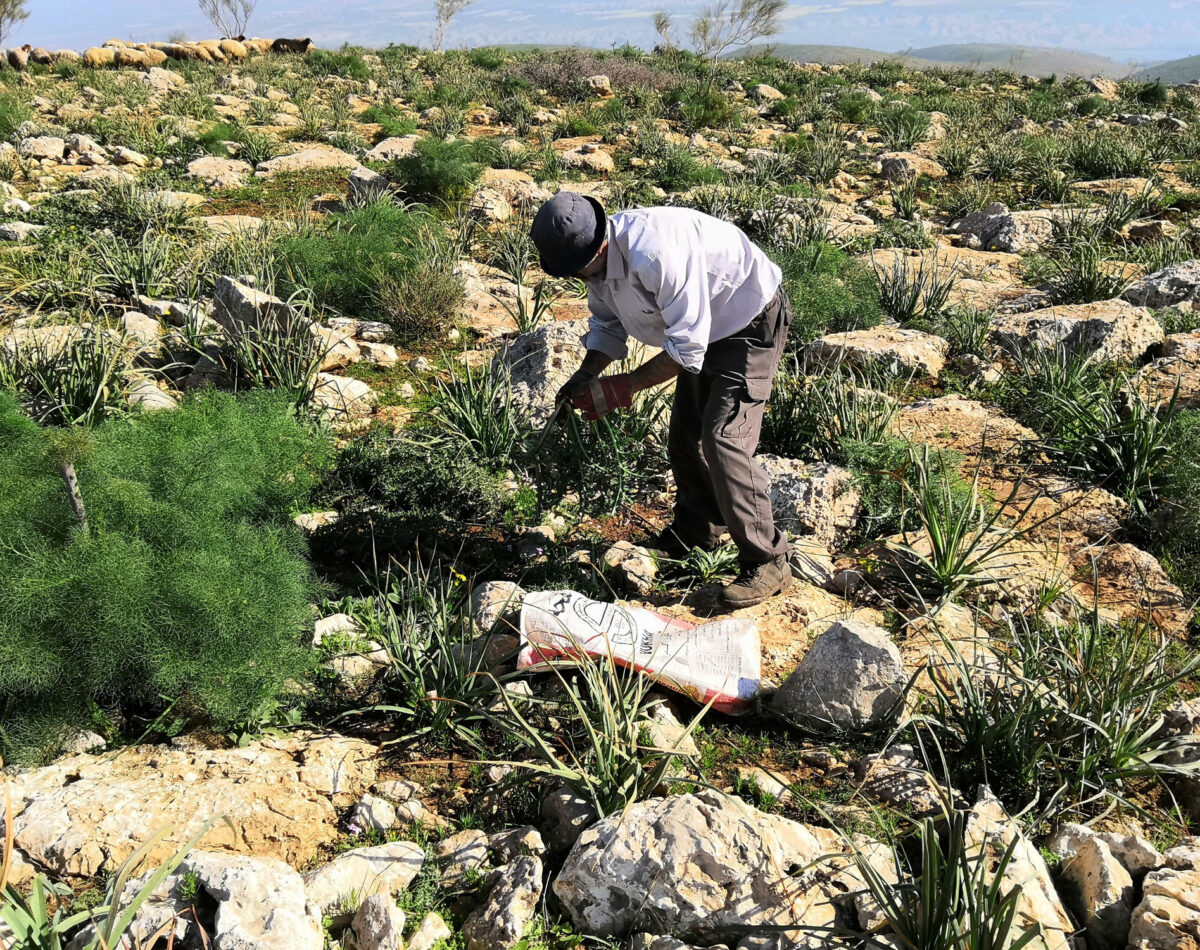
(575, 386)
(602, 396)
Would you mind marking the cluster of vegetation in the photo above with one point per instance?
(172, 534)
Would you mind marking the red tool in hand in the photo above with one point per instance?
(603, 395)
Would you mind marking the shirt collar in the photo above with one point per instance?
(618, 267)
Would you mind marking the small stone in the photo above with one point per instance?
(378, 924)
(631, 566)
(460, 854)
(431, 931)
(374, 813)
(565, 815)
(510, 844)
(495, 601)
(383, 869)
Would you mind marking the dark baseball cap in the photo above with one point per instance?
(569, 231)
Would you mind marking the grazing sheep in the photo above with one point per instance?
(128, 56)
(234, 51)
(198, 52)
(257, 44)
(154, 57)
(283, 45)
(175, 51)
(214, 49)
(116, 44)
(98, 56)
(65, 56)
(42, 57)
(18, 58)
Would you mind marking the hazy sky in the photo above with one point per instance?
(1141, 32)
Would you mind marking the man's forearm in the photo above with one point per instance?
(595, 362)
(654, 372)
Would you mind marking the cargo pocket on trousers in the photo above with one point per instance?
(745, 415)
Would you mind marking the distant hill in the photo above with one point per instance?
(1020, 59)
(1174, 72)
(1033, 61)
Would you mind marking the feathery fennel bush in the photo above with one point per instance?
(188, 580)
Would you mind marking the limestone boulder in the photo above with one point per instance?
(219, 174)
(381, 869)
(237, 306)
(852, 679)
(398, 146)
(87, 814)
(819, 500)
(313, 158)
(704, 867)
(990, 832)
(1168, 917)
(588, 158)
(904, 166)
(43, 147)
(995, 228)
(500, 921)
(630, 566)
(496, 601)
(1111, 331)
(365, 185)
(539, 363)
(343, 401)
(259, 903)
(1173, 285)
(892, 349)
(378, 925)
(1102, 894)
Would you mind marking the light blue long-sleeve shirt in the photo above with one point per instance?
(676, 279)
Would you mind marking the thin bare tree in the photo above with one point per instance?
(447, 10)
(230, 17)
(12, 12)
(662, 26)
(732, 23)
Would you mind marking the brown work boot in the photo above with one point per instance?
(756, 582)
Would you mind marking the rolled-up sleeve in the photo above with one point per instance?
(605, 332)
(683, 300)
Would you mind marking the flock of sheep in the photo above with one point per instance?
(122, 53)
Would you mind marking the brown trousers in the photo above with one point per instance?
(715, 424)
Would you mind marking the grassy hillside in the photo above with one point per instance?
(1021, 59)
(1173, 72)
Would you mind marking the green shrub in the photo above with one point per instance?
(699, 108)
(188, 581)
(903, 128)
(830, 292)
(1153, 94)
(390, 119)
(344, 63)
(486, 58)
(438, 171)
(345, 263)
(856, 107)
(675, 168)
(420, 303)
(399, 496)
(1092, 105)
(1174, 533)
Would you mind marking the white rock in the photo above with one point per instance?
(219, 173)
(19, 230)
(384, 869)
(494, 601)
(393, 148)
(1168, 917)
(819, 500)
(500, 921)
(374, 813)
(1103, 894)
(43, 147)
(893, 349)
(314, 158)
(366, 185)
(1172, 285)
(703, 864)
(378, 924)
(1108, 331)
(430, 932)
(851, 679)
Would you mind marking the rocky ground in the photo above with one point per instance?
(1065, 237)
